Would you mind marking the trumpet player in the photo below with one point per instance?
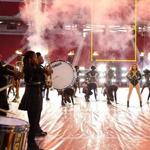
(44, 70)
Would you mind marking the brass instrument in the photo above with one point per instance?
(48, 77)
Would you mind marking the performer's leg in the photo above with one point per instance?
(47, 93)
(115, 95)
(17, 88)
(62, 100)
(129, 94)
(138, 92)
(75, 89)
(79, 87)
(148, 95)
(32, 130)
(72, 100)
(108, 94)
(143, 87)
(95, 91)
(88, 92)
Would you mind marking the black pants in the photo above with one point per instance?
(47, 92)
(3, 102)
(91, 86)
(111, 93)
(34, 119)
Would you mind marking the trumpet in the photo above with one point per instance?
(47, 74)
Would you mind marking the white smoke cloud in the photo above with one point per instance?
(48, 21)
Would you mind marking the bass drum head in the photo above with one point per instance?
(63, 74)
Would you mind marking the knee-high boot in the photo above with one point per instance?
(127, 103)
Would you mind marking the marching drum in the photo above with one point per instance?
(13, 133)
(63, 74)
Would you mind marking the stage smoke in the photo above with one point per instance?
(57, 26)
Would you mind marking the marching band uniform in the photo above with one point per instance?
(4, 72)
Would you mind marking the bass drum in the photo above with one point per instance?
(63, 74)
(13, 134)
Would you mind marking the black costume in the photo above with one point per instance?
(4, 72)
(67, 95)
(32, 99)
(77, 81)
(109, 76)
(91, 78)
(111, 93)
(110, 89)
(147, 82)
(147, 79)
(134, 78)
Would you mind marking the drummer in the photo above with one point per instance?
(5, 70)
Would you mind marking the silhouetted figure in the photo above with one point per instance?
(77, 82)
(108, 85)
(147, 82)
(111, 92)
(92, 80)
(32, 99)
(5, 71)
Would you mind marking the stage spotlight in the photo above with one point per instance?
(143, 80)
(102, 80)
(82, 74)
(101, 74)
(142, 54)
(81, 68)
(71, 53)
(102, 67)
(124, 69)
(82, 80)
(84, 34)
(124, 80)
(149, 56)
(113, 80)
(113, 68)
(95, 54)
(18, 52)
(123, 74)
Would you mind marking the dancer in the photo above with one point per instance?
(109, 75)
(134, 76)
(77, 82)
(48, 81)
(92, 80)
(147, 82)
(109, 88)
(111, 93)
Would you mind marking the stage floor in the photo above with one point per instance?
(94, 125)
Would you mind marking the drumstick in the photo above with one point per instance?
(6, 111)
